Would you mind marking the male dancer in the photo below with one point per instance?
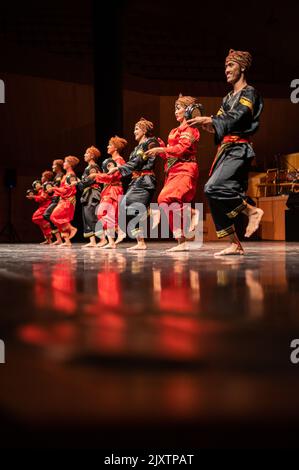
(235, 123)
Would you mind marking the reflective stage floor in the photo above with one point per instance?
(138, 349)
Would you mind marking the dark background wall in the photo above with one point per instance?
(75, 74)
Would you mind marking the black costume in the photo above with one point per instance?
(236, 121)
(143, 183)
(55, 199)
(90, 198)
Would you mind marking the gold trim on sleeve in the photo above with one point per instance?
(246, 102)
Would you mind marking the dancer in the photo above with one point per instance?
(63, 213)
(181, 171)
(44, 200)
(115, 147)
(57, 168)
(235, 123)
(143, 183)
(90, 198)
(107, 211)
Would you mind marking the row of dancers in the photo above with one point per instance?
(101, 188)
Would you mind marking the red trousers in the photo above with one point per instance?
(179, 189)
(38, 219)
(62, 215)
(107, 213)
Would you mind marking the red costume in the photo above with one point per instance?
(107, 211)
(119, 161)
(119, 144)
(181, 172)
(63, 213)
(44, 201)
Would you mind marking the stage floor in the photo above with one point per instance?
(136, 349)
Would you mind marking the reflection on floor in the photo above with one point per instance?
(116, 348)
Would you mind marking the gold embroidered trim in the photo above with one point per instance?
(225, 232)
(232, 214)
(188, 135)
(88, 235)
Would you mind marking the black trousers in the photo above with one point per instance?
(48, 213)
(227, 186)
(89, 219)
(135, 205)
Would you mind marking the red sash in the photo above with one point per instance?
(227, 140)
(137, 174)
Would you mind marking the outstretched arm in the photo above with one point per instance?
(41, 198)
(107, 177)
(186, 140)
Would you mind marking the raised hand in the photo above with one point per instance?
(208, 128)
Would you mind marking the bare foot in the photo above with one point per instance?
(102, 243)
(194, 219)
(232, 249)
(109, 246)
(58, 242)
(65, 245)
(46, 242)
(73, 232)
(180, 247)
(120, 238)
(156, 215)
(90, 245)
(254, 220)
(137, 247)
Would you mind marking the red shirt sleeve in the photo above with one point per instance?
(42, 197)
(120, 161)
(59, 191)
(105, 178)
(65, 191)
(185, 142)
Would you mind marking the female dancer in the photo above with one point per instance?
(63, 213)
(107, 212)
(181, 170)
(115, 147)
(90, 197)
(57, 168)
(44, 200)
(143, 183)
